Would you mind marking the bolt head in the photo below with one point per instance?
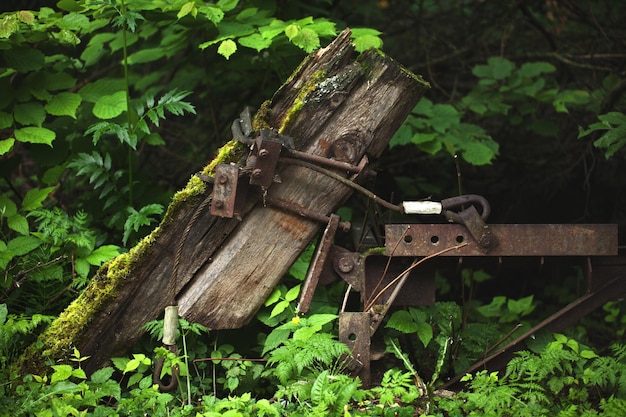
(345, 265)
(222, 179)
(257, 173)
(264, 153)
(219, 204)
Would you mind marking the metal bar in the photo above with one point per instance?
(303, 211)
(514, 240)
(317, 265)
(555, 323)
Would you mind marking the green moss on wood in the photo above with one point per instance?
(56, 343)
(301, 99)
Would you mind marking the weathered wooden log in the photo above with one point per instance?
(337, 104)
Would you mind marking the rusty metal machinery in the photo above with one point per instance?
(392, 277)
(397, 275)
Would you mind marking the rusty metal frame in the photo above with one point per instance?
(596, 244)
(514, 240)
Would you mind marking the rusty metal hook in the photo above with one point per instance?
(464, 200)
(158, 367)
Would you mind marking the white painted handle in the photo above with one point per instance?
(421, 207)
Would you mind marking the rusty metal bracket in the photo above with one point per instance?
(263, 159)
(228, 193)
(317, 265)
(354, 331)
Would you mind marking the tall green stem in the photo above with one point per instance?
(129, 117)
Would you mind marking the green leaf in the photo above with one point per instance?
(613, 118)
(7, 207)
(255, 41)
(74, 21)
(365, 42)
(227, 5)
(81, 266)
(5, 256)
(6, 120)
(502, 68)
(24, 59)
(274, 296)
(19, 224)
(69, 5)
(293, 293)
(35, 135)
(64, 104)
(187, 8)
(523, 306)
(403, 322)
(533, 69)
(588, 354)
(154, 139)
(304, 38)
(424, 332)
(8, 26)
(110, 106)
(300, 267)
(61, 373)
(6, 145)
(279, 308)
(35, 197)
(318, 320)
(92, 92)
(275, 338)
(102, 375)
(23, 244)
(478, 153)
(120, 363)
(146, 55)
(29, 114)
(227, 48)
(58, 81)
(102, 254)
(212, 13)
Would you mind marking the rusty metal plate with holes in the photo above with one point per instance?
(267, 154)
(354, 331)
(514, 240)
(225, 190)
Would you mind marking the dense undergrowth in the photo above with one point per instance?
(101, 105)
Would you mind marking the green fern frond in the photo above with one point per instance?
(619, 351)
(613, 406)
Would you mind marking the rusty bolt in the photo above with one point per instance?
(345, 265)
(485, 241)
(264, 153)
(257, 173)
(219, 204)
(222, 179)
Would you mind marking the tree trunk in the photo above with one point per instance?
(337, 105)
